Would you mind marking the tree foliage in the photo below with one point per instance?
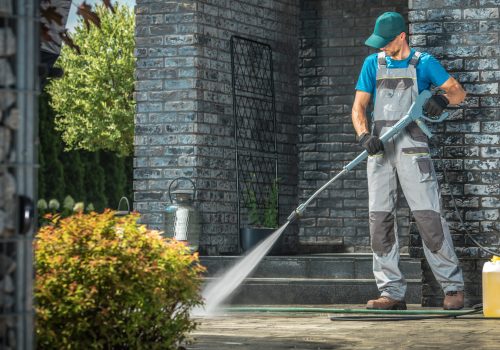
(100, 178)
(94, 99)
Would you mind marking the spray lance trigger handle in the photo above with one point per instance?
(424, 127)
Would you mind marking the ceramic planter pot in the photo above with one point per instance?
(252, 236)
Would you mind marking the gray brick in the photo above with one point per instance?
(489, 2)
(483, 190)
(482, 139)
(162, 51)
(482, 164)
(482, 215)
(149, 107)
(466, 77)
(149, 62)
(354, 183)
(444, 15)
(489, 26)
(417, 16)
(151, 195)
(425, 4)
(482, 89)
(355, 203)
(482, 13)
(418, 40)
(490, 51)
(329, 147)
(176, 84)
(491, 127)
(148, 41)
(490, 152)
(163, 7)
(490, 202)
(453, 64)
(426, 28)
(462, 127)
(460, 152)
(141, 52)
(490, 76)
(460, 27)
(148, 85)
(481, 64)
(462, 51)
(490, 101)
(490, 177)
(465, 202)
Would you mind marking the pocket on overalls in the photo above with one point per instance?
(421, 157)
(376, 159)
(416, 133)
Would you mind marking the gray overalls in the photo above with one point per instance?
(407, 157)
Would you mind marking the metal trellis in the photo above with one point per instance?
(255, 132)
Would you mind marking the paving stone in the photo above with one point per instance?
(256, 331)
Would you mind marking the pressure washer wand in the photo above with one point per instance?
(415, 114)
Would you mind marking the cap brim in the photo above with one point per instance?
(376, 41)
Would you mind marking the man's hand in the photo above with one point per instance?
(372, 144)
(435, 105)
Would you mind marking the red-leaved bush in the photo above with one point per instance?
(105, 282)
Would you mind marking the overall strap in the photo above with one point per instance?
(381, 59)
(416, 57)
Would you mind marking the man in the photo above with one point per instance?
(394, 77)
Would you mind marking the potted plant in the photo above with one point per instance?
(261, 222)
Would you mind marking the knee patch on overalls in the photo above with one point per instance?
(430, 228)
(382, 232)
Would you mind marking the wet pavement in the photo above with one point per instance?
(294, 330)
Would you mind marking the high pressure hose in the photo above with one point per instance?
(370, 315)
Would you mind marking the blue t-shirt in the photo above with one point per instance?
(429, 71)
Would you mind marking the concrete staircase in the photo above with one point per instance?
(312, 279)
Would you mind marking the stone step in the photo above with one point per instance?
(322, 266)
(312, 291)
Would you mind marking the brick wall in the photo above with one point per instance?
(332, 52)
(184, 113)
(166, 102)
(465, 36)
(184, 121)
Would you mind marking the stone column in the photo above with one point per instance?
(184, 121)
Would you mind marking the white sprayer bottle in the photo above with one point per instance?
(491, 287)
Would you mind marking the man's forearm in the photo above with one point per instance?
(359, 120)
(453, 91)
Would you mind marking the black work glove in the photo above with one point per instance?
(371, 143)
(435, 105)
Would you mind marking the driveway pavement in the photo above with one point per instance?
(262, 331)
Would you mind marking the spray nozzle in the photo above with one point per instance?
(296, 213)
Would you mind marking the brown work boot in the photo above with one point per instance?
(454, 300)
(386, 303)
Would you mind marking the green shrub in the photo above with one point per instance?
(269, 218)
(105, 282)
(70, 207)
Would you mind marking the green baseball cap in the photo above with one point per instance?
(387, 27)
